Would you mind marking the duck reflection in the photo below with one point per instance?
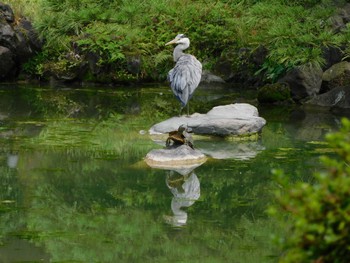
(185, 187)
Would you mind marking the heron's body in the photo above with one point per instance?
(184, 78)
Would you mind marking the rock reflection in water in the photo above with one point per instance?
(231, 150)
(186, 190)
(12, 160)
(312, 123)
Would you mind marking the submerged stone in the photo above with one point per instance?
(240, 119)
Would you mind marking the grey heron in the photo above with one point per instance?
(186, 75)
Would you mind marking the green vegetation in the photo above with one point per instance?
(320, 211)
(106, 40)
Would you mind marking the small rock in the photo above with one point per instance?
(176, 157)
(208, 77)
(211, 81)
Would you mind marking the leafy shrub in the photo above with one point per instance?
(321, 211)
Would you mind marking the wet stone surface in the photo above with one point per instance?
(235, 119)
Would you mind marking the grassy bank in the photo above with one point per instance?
(124, 40)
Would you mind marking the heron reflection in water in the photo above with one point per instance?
(186, 190)
(184, 78)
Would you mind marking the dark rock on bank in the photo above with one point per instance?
(6, 13)
(339, 20)
(18, 43)
(336, 98)
(6, 62)
(331, 55)
(336, 76)
(303, 81)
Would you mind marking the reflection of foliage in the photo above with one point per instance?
(109, 137)
(71, 103)
(103, 235)
(320, 211)
(51, 103)
(10, 197)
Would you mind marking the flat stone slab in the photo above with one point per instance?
(235, 119)
(180, 157)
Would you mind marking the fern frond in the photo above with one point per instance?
(162, 57)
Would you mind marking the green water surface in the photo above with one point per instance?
(74, 186)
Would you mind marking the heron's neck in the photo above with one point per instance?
(178, 51)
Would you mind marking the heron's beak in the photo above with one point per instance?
(172, 41)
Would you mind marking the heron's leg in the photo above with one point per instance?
(188, 109)
(180, 113)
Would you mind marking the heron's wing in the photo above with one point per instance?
(185, 77)
(170, 75)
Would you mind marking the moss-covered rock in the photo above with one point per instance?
(274, 93)
(335, 76)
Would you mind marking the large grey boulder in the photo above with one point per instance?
(240, 119)
(303, 81)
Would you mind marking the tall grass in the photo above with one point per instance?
(292, 31)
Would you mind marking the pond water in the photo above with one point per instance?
(74, 186)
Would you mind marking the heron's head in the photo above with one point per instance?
(180, 39)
